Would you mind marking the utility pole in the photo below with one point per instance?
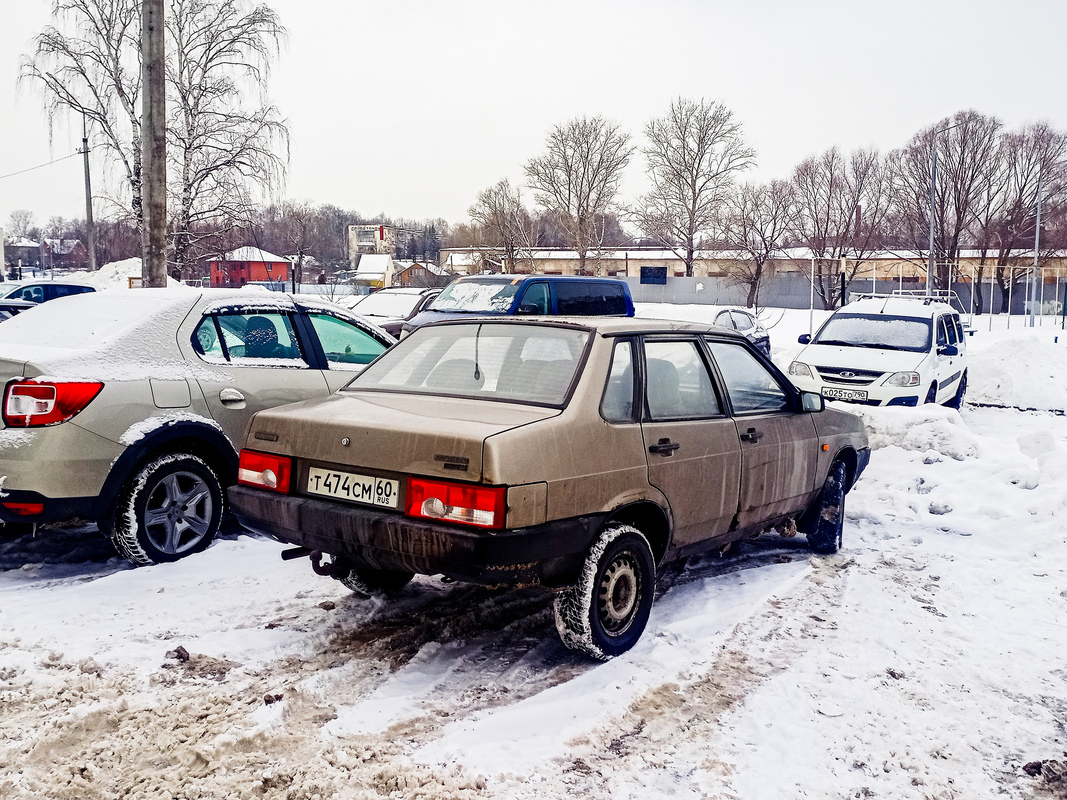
(154, 145)
(1032, 289)
(88, 197)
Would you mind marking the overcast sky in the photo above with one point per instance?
(411, 108)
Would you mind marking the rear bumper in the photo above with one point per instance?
(53, 509)
(550, 555)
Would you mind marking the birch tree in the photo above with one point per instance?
(577, 178)
(222, 136)
(693, 156)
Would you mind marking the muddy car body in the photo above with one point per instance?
(574, 454)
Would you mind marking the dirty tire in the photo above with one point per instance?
(170, 508)
(825, 537)
(375, 582)
(956, 401)
(931, 396)
(605, 613)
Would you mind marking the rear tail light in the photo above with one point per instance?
(34, 404)
(25, 509)
(480, 506)
(265, 471)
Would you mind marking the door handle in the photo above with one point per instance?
(664, 447)
(752, 435)
(231, 395)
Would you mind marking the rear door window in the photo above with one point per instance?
(248, 338)
(579, 298)
(677, 383)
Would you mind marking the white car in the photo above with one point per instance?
(886, 351)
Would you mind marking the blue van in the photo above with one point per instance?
(543, 295)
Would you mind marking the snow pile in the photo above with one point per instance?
(1024, 371)
(928, 427)
(117, 274)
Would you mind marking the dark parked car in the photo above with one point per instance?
(41, 291)
(575, 454)
(535, 295)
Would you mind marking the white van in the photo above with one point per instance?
(886, 351)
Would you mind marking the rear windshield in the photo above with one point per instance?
(479, 296)
(878, 331)
(524, 363)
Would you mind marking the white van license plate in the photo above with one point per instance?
(854, 395)
(352, 486)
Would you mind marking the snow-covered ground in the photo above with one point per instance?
(926, 660)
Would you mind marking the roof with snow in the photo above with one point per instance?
(253, 254)
(373, 265)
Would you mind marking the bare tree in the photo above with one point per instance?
(499, 212)
(966, 146)
(755, 220)
(578, 177)
(90, 64)
(694, 154)
(1005, 213)
(20, 223)
(221, 145)
(841, 208)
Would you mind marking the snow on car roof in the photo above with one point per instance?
(898, 306)
(124, 334)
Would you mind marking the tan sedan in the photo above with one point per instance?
(578, 454)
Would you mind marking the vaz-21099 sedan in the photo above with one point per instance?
(577, 454)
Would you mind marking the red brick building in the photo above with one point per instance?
(247, 265)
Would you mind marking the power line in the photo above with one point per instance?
(40, 166)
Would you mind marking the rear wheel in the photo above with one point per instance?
(169, 509)
(605, 613)
(825, 536)
(375, 582)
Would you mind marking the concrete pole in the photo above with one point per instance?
(1032, 288)
(154, 145)
(933, 192)
(90, 227)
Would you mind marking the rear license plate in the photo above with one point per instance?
(352, 486)
(845, 394)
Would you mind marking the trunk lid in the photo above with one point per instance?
(391, 433)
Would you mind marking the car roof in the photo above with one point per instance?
(512, 278)
(898, 307)
(606, 326)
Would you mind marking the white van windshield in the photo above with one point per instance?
(878, 331)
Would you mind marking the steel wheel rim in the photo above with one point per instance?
(619, 594)
(178, 513)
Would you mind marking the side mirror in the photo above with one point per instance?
(804, 338)
(948, 350)
(810, 401)
(528, 308)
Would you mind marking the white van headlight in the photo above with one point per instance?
(903, 379)
(799, 369)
